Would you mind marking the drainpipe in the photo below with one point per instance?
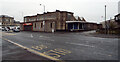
(78, 25)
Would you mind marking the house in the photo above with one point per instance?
(117, 19)
(8, 21)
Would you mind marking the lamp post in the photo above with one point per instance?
(105, 21)
(44, 17)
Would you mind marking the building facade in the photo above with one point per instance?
(117, 19)
(55, 21)
(7, 21)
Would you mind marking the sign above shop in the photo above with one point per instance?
(27, 24)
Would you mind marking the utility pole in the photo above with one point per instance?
(105, 21)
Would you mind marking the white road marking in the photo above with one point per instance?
(46, 38)
(41, 36)
(81, 44)
(31, 36)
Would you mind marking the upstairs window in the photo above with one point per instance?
(41, 25)
(51, 25)
(35, 25)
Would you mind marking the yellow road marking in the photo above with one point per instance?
(57, 52)
(8, 34)
(33, 51)
(40, 47)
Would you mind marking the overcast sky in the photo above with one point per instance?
(91, 10)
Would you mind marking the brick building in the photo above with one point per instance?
(55, 21)
(6, 20)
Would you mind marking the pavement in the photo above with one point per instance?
(96, 34)
(65, 46)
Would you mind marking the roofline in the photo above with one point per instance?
(31, 16)
(49, 12)
(79, 22)
(7, 16)
(117, 15)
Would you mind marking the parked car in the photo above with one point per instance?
(16, 30)
(5, 29)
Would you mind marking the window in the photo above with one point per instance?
(116, 18)
(9, 20)
(69, 16)
(35, 25)
(25, 19)
(51, 25)
(41, 25)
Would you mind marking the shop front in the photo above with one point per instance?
(75, 25)
(28, 27)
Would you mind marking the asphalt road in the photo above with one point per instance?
(13, 52)
(66, 46)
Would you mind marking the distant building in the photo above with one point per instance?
(117, 19)
(56, 21)
(6, 20)
(109, 24)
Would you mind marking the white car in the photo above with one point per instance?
(16, 30)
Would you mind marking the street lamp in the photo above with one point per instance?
(44, 17)
(105, 21)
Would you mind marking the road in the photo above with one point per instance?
(65, 46)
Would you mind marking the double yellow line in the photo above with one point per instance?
(33, 51)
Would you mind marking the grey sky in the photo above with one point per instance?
(91, 10)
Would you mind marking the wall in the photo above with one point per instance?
(58, 20)
(40, 27)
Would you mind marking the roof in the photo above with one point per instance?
(79, 18)
(117, 15)
(49, 12)
(31, 16)
(6, 16)
(79, 22)
(75, 22)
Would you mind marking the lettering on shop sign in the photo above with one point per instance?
(40, 47)
(57, 53)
